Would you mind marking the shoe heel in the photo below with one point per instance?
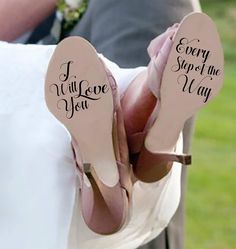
(97, 185)
(103, 201)
(98, 202)
(88, 169)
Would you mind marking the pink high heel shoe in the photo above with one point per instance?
(185, 74)
(83, 96)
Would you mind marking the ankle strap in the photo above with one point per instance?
(136, 146)
(162, 158)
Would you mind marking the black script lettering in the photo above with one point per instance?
(64, 76)
(213, 71)
(204, 91)
(76, 93)
(70, 106)
(182, 64)
(184, 79)
(85, 90)
(56, 87)
(183, 47)
(64, 87)
(105, 88)
(191, 86)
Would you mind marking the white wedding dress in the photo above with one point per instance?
(39, 205)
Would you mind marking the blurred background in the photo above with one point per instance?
(211, 190)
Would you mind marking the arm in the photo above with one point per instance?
(18, 17)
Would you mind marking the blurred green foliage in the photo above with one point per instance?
(211, 190)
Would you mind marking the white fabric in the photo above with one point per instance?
(37, 176)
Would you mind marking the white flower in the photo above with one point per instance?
(73, 3)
